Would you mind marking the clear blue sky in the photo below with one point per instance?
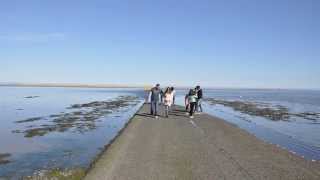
(219, 43)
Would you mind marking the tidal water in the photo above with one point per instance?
(298, 134)
(46, 128)
(39, 130)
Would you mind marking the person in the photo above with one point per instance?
(161, 96)
(186, 101)
(168, 100)
(154, 100)
(192, 98)
(199, 99)
(173, 95)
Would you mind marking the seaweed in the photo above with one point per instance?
(4, 158)
(29, 120)
(31, 97)
(275, 113)
(62, 174)
(82, 120)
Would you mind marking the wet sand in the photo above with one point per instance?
(202, 148)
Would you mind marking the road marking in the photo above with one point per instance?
(196, 126)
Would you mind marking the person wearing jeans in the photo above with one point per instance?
(199, 99)
(154, 99)
(192, 101)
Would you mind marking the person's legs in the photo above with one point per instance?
(156, 108)
(187, 108)
(167, 111)
(200, 105)
(151, 108)
(196, 106)
(192, 108)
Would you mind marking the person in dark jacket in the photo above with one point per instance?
(154, 95)
(199, 99)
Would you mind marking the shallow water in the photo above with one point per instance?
(299, 135)
(67, 147)
(22, 155)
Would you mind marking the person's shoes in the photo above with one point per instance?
(156, 117)
(191, 117)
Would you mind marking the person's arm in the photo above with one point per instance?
(200, 93)
(149, 97)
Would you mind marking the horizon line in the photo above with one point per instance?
(122, 85)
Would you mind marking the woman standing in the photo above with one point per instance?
(186, 101)
(192, 99)
(168, 99)
(173, 91)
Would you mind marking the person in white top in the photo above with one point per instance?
(173, 95)
(168, 100)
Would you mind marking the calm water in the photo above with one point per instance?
(55, 149)
(77, 149)
(299, 135)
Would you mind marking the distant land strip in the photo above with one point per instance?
(141, 86)
(74, 85)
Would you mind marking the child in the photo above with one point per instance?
(168, 98)
(192, 98)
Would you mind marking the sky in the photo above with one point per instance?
(214, 43)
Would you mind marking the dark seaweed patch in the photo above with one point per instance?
(4, 158)
(275, 113)
(31, 97)
(30, 120)
(82, 120)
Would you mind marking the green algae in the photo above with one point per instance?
(58, 174)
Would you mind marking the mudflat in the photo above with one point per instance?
(205, 147)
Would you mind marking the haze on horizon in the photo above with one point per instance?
(216, 43)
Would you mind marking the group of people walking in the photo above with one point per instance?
(193, 101)
(167, 98)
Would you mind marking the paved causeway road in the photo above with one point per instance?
(205, 148)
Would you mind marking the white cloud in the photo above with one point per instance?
(33, 37)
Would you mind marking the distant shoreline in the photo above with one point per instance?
(71, 85)
(145, 86)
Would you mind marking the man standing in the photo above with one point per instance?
(155, 94)
(199, 99)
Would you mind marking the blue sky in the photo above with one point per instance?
(217, 43)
